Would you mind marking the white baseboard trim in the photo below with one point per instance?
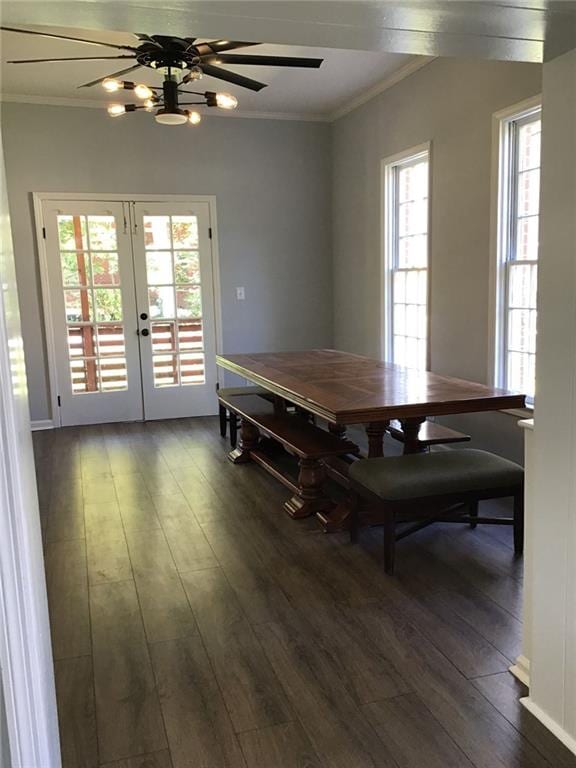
(36, 426)
(562, 735)
(521, 670)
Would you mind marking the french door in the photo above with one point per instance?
(131, 308)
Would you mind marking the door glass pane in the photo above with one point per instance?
(159, 267)
(72, 233)
(157, 232)
(105, 269)
(185, 231)
(192, 369)
(190, 335)
(75, 268)
(81, 341)
(108, 303)
(111, 341)
(161, 301)
(187, 266)
(78, 306)
(112, 373)
(165, 370)
(163, 337)
(175, 298)
(93, 313)
(189, 302)
(102, 233)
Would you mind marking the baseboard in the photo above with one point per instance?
(36, 426)
(562, 735)
(521, 670)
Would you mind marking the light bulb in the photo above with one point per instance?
(194, 117)
(226, 101)
(114, 110)
(149, 105)
(143, 92)
(111, 85)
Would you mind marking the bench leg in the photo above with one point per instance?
(249, 437)
(309, 498)
(223, 419)
(389, 543)
(473, 512)
(519, 523)
(233, 418)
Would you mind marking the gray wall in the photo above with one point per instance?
(272, 183)
(449, 103)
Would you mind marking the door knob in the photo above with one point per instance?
(145, 332)
(143, 316)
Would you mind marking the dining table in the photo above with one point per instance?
(345, 388)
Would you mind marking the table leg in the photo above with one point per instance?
(309, 498)
(411, 428)
(249, 438)
(337, 429)
(375, 431)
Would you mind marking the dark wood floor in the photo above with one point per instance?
(195, 625)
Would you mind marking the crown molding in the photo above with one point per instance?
(61, 101)
(417, 63)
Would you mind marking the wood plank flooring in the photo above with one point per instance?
(195, 625)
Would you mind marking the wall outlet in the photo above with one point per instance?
(240, 293)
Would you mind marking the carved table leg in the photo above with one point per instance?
(411, 428)
(375, 432)
(309, 497)
(249, 437)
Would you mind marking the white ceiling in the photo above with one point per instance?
(344, 75)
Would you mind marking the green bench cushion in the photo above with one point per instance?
(419, 475)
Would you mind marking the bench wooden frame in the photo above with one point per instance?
(430, 433)
(424, 511)
(299, 437)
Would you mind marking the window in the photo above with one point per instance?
(517, 252)
(406, 258)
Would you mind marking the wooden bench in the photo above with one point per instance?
(228, 417)
(423, 488)
(430, 433)
(299, 437)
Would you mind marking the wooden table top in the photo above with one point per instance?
(350, 389)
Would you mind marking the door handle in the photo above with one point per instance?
(144, 332)
(143, 316)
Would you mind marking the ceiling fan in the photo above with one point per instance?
(182, 60)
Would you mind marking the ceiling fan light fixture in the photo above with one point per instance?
(143, 92)
(165, 117)
(226, 101)
(112, 85)
(194, 117)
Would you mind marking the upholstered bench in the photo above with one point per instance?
(434, 487)
(227, 416)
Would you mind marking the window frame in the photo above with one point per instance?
(503, 230)
(389, 242)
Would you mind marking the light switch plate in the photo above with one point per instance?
(240, 293)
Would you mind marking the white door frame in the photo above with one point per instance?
(40, 197)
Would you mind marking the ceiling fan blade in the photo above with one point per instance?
(74, 58)
(114, 74)
(221, 45)
(231, 77)
(269, 61)
(65, 37)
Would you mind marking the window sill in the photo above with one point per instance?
(520, 413)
